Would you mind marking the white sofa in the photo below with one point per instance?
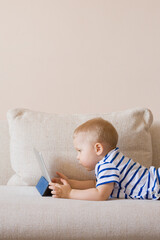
(24, 214)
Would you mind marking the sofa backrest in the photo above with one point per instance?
(5, 167)
(155, 135)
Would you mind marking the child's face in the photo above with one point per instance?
(86, 154)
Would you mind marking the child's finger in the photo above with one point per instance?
(52, 185)
(56, 192)
(54, 188)
(64, 181)
(61, 175)
(56, 195)
(55, 179)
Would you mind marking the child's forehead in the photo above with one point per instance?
(79, 136)
(82, 137)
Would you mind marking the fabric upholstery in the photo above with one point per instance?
(155, 134)
(24, 214)
(5, 166)
(52, 135)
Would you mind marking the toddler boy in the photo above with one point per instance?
(117, 176)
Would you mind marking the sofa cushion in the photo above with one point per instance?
(24, 214)
(52, 135)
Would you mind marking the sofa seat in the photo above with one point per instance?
(23, 212)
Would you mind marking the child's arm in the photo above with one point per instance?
(82, 184)
(100, 193)
(75, 183)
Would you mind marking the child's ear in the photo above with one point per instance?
(98, 147)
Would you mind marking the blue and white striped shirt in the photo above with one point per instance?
(131, 179)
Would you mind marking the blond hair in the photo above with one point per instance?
(99, 130)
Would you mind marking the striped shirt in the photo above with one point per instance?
(131, 180)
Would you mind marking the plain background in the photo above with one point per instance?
(79, 56)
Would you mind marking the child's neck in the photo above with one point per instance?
(107, 151)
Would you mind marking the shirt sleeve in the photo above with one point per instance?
(107, 173)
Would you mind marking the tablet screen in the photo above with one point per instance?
(42, 165)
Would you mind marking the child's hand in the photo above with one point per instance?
(58, 180)
(60, 190)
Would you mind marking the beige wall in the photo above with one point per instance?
(79, 56)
